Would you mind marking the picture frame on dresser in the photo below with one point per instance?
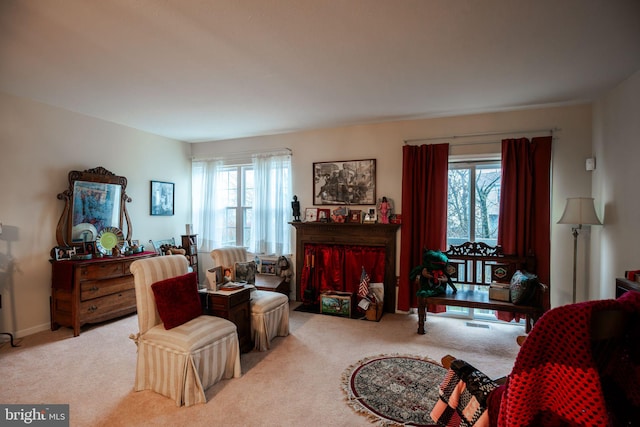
(87, 248)
(64, 253)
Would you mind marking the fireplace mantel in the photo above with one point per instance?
(351, 234)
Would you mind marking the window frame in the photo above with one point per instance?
(241, 208)
(473, 166)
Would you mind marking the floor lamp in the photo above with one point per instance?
(579, 211)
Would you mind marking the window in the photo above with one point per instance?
(472, 213)
(473, 188)
(244, 202)
(237, 199)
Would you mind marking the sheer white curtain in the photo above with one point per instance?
(270, 229)
(272, 204)
(208, 216)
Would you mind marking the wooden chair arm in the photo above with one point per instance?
(446, 361)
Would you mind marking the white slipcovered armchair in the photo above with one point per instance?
(181, 362)
(269, 310)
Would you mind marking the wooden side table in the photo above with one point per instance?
(233, 306)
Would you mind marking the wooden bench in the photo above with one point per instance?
(478, 264)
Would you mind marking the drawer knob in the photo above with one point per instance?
(92, 308)
(93, 288)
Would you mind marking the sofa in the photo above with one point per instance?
(269, 309)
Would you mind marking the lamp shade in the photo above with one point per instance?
(580, 211)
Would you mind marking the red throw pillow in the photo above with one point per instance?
(177, 299)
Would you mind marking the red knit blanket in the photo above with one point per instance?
(555, 380)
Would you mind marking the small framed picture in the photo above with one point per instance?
(311, 214)
(355, 216)
(324, 215)
(64, 252)
(268, 266)
(80, 250)
(370, 216)
(90, 248)
(162, 198)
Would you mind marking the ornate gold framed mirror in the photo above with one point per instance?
(95, 201)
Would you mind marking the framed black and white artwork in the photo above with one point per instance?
(351, 182)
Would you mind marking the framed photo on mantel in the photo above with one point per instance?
(351, 182)
(310, 215)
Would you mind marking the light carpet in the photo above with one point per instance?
(297, 382)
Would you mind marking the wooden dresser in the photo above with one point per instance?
(91, 291)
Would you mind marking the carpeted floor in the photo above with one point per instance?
(297, 382)
(394, 389)
(308, 308)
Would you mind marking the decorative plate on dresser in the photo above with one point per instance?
(109, 238)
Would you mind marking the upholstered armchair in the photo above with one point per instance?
(179, 360)
(269, 310)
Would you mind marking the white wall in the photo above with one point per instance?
(384, 142)
(40, 145)
(616, 146)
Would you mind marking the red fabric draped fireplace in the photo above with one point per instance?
(330, 257)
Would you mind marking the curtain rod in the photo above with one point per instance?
(472, 135)
(247, 153)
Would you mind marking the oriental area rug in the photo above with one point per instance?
(394, 389)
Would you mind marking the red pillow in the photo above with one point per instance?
(177, 299)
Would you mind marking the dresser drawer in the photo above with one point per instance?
(107, 307)
(90, 289)
(101, 270)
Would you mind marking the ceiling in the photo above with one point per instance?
(204, 70)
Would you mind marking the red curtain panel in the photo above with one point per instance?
(525, 203)
(424, 210)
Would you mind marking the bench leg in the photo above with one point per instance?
(422, 315)
(531, 321)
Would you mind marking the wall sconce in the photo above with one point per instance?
(579, 211)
